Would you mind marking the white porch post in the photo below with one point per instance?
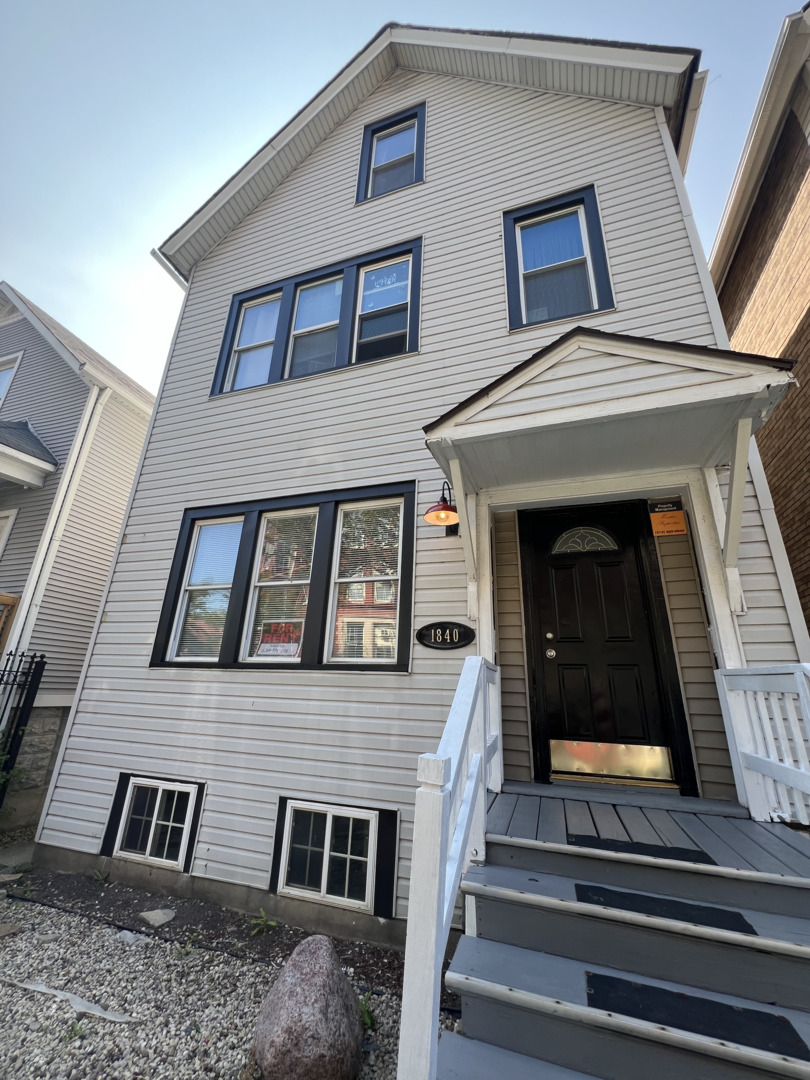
(734, 511)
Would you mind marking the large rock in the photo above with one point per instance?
(309, 1025)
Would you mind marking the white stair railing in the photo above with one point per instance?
(448, 834)
(767, 717)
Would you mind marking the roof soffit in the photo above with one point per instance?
(645, 75)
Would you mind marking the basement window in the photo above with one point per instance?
(329, 854)
(155, 825)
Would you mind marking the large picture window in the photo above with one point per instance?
(556, 267)
(299, 582)
(358, 311)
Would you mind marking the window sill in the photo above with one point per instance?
(143, 860)
(573, 320)
(254, 665)
(329, 901)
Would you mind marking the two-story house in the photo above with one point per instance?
(470, 259)
(72, 428)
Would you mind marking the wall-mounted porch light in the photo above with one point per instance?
(443, 513)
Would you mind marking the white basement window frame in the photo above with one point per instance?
(321, 893)
(155, 840)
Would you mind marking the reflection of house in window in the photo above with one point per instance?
(384, 641)
(384, 592)
(354, 639)
(356, 592)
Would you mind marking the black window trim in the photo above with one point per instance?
(417, 113)
(584, 198)
(315, 646)
(287, 289)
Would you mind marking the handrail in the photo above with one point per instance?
(448, 834)
(766, 711)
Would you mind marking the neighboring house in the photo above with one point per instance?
(483, 238)
(760, 264)
(72, 428)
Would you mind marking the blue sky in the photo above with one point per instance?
(121, 119)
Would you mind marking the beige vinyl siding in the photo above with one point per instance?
(765, 631)
(76, 580)
(511, 649)
(352, 738)
(51, 397)
(696, 666)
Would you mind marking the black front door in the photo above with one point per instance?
(598, 659)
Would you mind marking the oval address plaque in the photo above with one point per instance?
(445, 635)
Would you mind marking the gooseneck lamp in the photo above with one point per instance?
(443, 513)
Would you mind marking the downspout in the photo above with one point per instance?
(45, 557)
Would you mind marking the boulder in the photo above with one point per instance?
(309, 1025)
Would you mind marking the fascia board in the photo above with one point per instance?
(790, 53)
(690, 118)
(24, 469)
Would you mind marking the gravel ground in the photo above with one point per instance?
(193, 988)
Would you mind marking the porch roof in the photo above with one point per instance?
(24, 458)
(596, 404)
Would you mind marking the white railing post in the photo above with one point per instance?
(738, 721)
(478, 745)
(424, 943)
(494, 770)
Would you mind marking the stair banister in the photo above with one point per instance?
(448, 834)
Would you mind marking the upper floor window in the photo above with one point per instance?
(365, 309)
(556, 266)
(8, 365)
(302, 582)
(393, 154)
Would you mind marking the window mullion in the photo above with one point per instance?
(327, 850)
(240, 590)
(153, 825)
(314, 625)
(347, 308)
(283, 328)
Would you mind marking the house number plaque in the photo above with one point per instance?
(445, 635)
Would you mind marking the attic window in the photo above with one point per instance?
(8, 365)
(556, 267)
(393, 154)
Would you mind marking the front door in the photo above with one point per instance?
(599, 655)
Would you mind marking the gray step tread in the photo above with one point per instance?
(560, 979)
(767, 925)
(461, 1058)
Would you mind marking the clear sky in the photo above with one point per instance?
(121, 119)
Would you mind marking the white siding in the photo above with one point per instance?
(51, 397)
(511, 649)
(253, 735)
(79, 572)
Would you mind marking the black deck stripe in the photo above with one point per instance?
(631, 848)
(664, 907)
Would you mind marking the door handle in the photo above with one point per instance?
(551, 653)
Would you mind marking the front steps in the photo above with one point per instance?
(584, 963)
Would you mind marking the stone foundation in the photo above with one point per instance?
(34, 767)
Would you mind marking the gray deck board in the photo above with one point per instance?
(524, 819)
(668, 828)
(607, 822)
(501, 813)
(798, 862)
(659, 798)
(551, 825)
(578, 818)
(638, 827)
(711, 843)
(793, 837)
(746, 846)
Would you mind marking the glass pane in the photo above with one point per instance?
(358, 873)
(305, 864)
(369, 542)
(379, 348)
(384, 640)
(386, 322)
(384, 592)
(215, 553)
(341, 828)
(391, 177)
(555, 294)
(397, 144)
(356, 592)
(259, 322)
(582, 540)
(5, 379)
(136, 834)
(553, 241)
(336, 877)
(313, 353)
(364, 638)
(359, 844)
(278, 622)
(386, 286)
(252, 367)
(203, 623)
(287, 543)
(318, 304)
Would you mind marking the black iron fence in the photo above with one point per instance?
(20, 677)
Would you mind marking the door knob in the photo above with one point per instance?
(550, 653)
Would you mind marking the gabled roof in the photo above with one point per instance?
(600, 338)
(612, 70)
(86, 362)
(789, 60)
(19, 435)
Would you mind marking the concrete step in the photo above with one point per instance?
(610, 1023)
(722, 885)
(699, 945)
(461, 1058)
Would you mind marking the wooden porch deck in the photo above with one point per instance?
(647, 821)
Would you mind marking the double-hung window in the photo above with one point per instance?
(556, 266)
(393, 154)
(361, 310)
(297, 582)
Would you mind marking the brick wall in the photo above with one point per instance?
(765, 301)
